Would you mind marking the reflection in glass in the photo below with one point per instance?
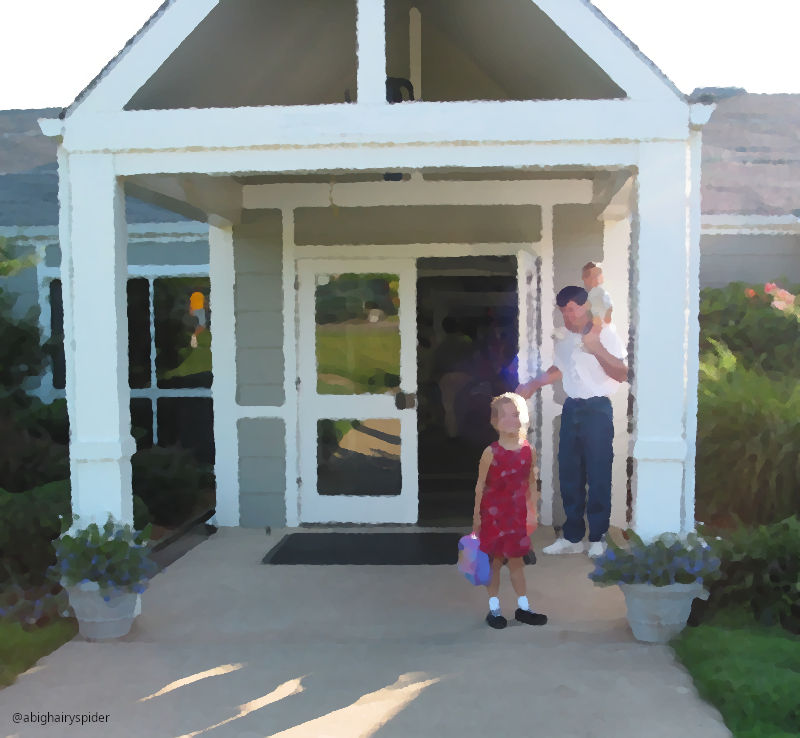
(187, 422)
(183, 331)
(56, 342)
(358, 334)
(358, 457)
(138, 333)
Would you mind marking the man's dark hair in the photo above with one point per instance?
(578, 295)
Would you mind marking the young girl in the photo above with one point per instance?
(506, 493)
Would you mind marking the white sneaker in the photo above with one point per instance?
(563, 546)
(596, 548)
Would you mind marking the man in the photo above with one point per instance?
(589, 360)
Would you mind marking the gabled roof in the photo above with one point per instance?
(175, 20)
(751, 154)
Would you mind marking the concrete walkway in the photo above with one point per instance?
(226, 646)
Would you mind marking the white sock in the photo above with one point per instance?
(494, 604)
(522, 603)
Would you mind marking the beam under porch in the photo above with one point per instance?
(375, 194)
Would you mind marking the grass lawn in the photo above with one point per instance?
(750, 673)
(193, 361)
(21, 649)
(360, 359)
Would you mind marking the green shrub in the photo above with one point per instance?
(28, 457)
(760, 571)
(748, 441)
(171, 482)
(29, 521)
(47, 418)
(760, 336)
(141, 515)
(21, 355)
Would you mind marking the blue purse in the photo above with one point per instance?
(472, 562)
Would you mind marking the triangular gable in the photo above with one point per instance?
(173, 23)
(142, 56)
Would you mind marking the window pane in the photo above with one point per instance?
(142, 422)
(187, 422)
(358, 457)
(183, 332)
(358, 334)
(57, 334)
(138, 333)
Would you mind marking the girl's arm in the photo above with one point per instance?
(483, 470)
(533, 480)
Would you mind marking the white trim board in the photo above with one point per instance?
(420, 192)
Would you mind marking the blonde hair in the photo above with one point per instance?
(522, 407)
(591, 265)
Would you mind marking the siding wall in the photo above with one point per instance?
(258, 300)
(262, 468)
(749, 258)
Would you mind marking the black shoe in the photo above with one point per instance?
(496, 621)
(530, 618)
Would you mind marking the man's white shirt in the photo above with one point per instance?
(582, 375)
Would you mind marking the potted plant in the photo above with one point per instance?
(104, 570)
(659, 579)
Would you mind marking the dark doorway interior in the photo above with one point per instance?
(467, 335)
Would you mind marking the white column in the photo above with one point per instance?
(660, 305)
(290, 369)
(93, 236)
(548, 404)
(371, 41)
(693, 330)
(616, 245)
(223, 388)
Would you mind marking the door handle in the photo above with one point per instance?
(405, 400)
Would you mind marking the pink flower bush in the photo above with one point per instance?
(782, 299)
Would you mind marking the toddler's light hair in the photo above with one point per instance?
(591, 265)
(522, 408)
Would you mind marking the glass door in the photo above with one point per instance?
(357, 391)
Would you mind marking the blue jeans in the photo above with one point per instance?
(585, 454)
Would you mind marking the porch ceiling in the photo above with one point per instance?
(202, 197)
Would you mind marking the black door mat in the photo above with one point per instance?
(366, 549)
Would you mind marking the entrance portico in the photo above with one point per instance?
(294, 192)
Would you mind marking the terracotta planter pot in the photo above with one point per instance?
(658, 614)
(98, 619)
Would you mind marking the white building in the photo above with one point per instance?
(538, 139)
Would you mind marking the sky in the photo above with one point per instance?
(51, 49)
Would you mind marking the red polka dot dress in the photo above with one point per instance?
(503, 504)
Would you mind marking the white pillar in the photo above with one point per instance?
(693, 330)
(371, 42)
(616, 245)
(659, 308)
(548, 404)
(290, 370)
(93, 236)
(223, 388)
